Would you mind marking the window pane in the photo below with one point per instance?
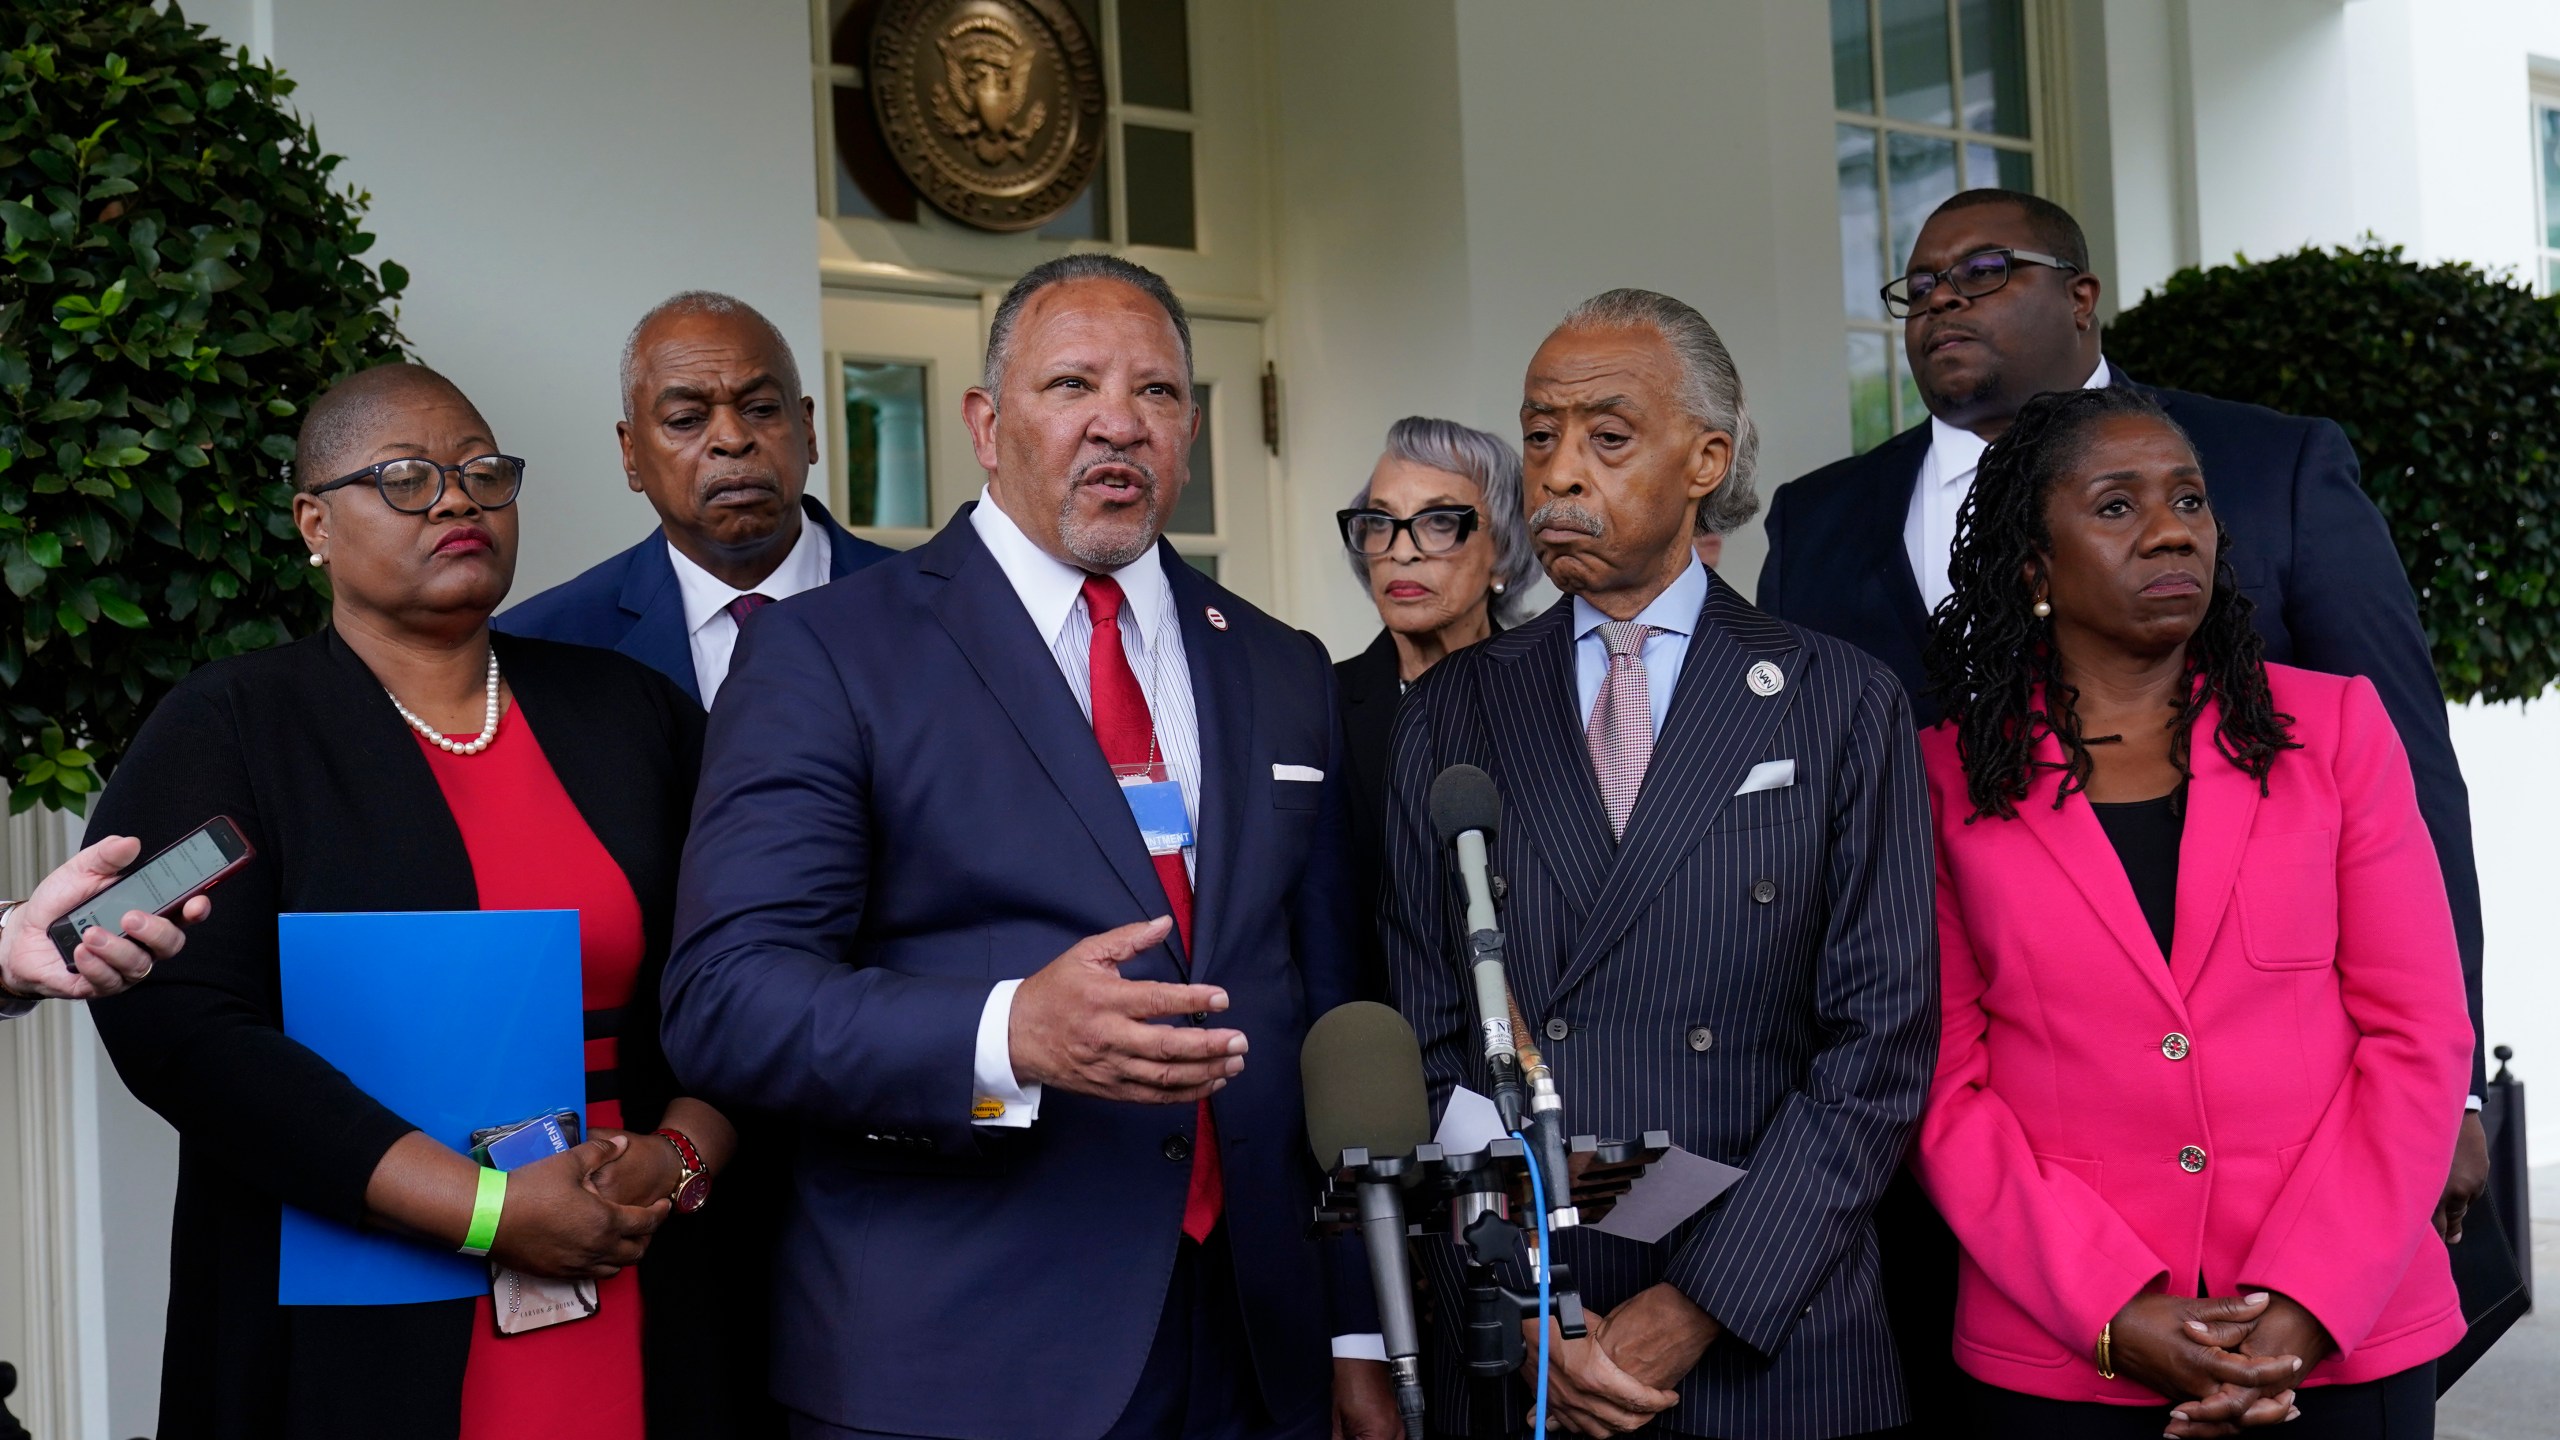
(1923, 173)
(1918, 71)
(1995, 67)
(1159, 186)
(1155, 53)
(2008, 169)
(1862, 270)
(1907, 390)
(1853, 75)
(1205, 564)
(1196, 513)
(2549, 118)
(2551, 277)
(849, 32)
(1870, 412)
(884, 444)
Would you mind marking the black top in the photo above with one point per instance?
(300, 745)
(2146, 835)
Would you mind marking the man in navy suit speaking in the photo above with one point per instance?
(1015, 880)
(1999, 306)
(1717, 917)
(717, 432)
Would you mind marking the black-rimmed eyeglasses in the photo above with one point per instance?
(414, 487)
(1974, 276)
(1435, 531)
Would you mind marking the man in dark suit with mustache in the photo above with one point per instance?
(1999, 306)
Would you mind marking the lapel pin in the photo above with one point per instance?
(1766, 679)
(1217, 621)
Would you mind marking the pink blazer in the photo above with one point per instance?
(2272, 1108)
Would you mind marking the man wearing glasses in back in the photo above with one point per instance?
(1998, 306)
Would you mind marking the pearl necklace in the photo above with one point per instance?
(488, 730)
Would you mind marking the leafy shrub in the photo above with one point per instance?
(2447, 382)
(176, 274)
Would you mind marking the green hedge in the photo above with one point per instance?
(2447, 382)
(177, 272)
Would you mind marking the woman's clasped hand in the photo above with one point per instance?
(2230, 1361)
(566, 1217)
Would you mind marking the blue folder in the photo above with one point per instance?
(455, 1020)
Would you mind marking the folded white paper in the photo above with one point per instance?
(1769, 775)
(1671, 1190)
(1296, 772)
(1469, 1124)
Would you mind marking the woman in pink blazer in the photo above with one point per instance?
(2205, 1046)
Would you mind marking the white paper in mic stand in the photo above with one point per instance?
(1671, 1190)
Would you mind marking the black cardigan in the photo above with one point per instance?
(301, 746)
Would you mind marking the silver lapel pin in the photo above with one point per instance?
(1766, 679)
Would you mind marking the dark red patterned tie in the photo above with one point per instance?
(1127, 734)
(746, 605)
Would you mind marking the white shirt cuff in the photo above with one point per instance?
(1360, 1347)
(2471, 1103)
(1014, 1106)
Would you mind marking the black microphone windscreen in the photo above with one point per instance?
(1363, 1074)
(1465, 798)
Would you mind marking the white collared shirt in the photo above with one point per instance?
(1946, 477)
(711, 631)
(1052, 594)
(1672, 615)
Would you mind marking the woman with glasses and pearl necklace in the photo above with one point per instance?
(403, 758)
(1438, 536)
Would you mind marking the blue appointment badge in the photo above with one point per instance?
(1156, 804)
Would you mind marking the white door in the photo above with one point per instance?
(1224, 522)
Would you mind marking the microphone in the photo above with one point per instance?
(1362, 1069)
(1466, 810)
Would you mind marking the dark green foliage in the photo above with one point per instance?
(2447, 382)
(176, 276)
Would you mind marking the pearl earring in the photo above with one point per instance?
(315, 559)
(2044, 609)
(1497, 587)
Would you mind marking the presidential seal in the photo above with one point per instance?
(993, 108)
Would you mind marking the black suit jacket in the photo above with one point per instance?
(1757, 974)
(301, 746)
(2306, 543)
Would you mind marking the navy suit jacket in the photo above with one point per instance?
(901, 804)
(1757, 974)
(631, 602)
(2306, 543)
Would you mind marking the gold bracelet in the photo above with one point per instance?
(2106, 1351)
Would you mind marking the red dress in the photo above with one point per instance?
(531, 850)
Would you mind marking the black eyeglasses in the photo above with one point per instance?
(1974, 276)
(414, 487)
(1435, 531)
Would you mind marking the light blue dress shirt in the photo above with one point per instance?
(1673, 614)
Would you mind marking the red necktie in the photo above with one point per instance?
(1128, 734)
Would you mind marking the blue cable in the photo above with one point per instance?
(1546, 1268)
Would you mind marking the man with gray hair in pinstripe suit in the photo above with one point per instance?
(1718, 906)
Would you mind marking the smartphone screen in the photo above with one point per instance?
(158, 883)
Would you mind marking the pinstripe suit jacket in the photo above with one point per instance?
(1755, 973)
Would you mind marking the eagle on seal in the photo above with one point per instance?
(986, 78)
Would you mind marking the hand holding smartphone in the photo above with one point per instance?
(161, 885)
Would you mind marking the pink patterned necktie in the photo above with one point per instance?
(1621, 733)
(746, 605)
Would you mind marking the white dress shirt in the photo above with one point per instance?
(1052, 593)
(711, 631)
(1673, 614)
(1946, 477)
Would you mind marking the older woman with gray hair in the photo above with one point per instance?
(1439, 536)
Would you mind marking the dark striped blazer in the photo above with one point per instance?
(1756, 974)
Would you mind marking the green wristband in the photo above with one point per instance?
(485, 1209)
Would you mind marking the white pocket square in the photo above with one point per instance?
(1769, 775)
(1296, 772)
